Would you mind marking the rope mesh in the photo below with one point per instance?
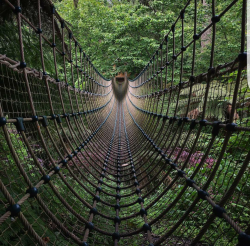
(166, 163)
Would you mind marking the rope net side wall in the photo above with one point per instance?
(166, 164)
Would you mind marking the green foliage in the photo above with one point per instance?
(127, 33)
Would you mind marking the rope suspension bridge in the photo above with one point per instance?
(86, 160)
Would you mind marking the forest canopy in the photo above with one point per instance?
(127, 33)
